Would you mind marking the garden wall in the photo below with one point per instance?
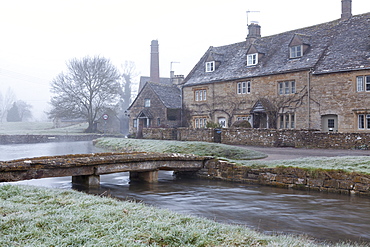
(287, 177)
(265, 137)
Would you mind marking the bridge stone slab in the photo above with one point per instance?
(92, 181)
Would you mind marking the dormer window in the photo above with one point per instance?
(252, 59)
(296, 51)
(210, 66)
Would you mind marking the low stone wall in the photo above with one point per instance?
(265, 137)
(318, 180)
(17, 139)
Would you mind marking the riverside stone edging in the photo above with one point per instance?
(331, 181)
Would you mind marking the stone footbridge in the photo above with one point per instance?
(86, 169)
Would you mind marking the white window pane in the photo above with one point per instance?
(360, 83)
(293, 87)
(367, 83)
(287, 90)
(361, 121)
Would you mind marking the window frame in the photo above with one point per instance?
(200, 122)
(243, 87)
(296, 51)
(252, 59)
(363, 83)
(147, 102)
(287, 87)
(200, 95)
(363, 121)
(287, 121)
(210, 66)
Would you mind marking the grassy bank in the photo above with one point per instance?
(197, 148)
(46, 217)
(39, 128)
(360, 164)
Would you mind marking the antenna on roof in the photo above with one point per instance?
(248, 12)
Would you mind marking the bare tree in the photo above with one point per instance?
(128, 73)
(24, 110)
(90, 85)
(6, 102)
(284, 103)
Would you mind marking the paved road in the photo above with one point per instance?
(285, 153)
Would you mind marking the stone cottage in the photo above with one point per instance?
(315, 77)
(158, 103)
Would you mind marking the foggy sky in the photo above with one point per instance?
(40, 36)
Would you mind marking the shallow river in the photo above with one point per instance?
(271, 210)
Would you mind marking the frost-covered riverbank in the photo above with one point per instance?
(33, 216)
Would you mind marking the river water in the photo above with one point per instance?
(323, 216)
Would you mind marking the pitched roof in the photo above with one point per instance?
(332, 47)
(170, 95)
(145, 79)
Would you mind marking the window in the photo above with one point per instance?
(296, 51)
(331, 123)
(210, 66)
(200, 95)
(200, 122)
(364, 121)
(248, 87)
(363, 83)
(134, 123)
(287, 121)
(158, 122)
(147, 103)
(244, 87)
(286, 87)
(252, 59)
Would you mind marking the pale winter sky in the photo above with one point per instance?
(38, 37)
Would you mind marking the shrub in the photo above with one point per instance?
(241, 124)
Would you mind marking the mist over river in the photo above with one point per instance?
(323, 216)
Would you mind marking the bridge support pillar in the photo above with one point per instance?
(87, 180)
(149, 177)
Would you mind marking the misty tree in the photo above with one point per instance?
(13, 114)
(6, 103)
(128, 73)
(89, 86)
(24, 110)
(125, 91)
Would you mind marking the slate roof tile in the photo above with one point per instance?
(170, 95)
(333, 47)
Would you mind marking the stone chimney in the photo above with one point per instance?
(154, 62)
(346, 10)
(254, 31)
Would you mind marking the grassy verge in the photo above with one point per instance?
(242, 156)
(197, 148)
(358, 164)
(47, 217)
(39, 128)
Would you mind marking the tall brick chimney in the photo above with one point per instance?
(346, 9)
(154, 62)
(254, 31)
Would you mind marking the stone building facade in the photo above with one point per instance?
(157, 105)
(316, 77)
